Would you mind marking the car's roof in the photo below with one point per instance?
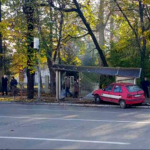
(122, 83)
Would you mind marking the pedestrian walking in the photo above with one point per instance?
(4, 85)
(13, 86)
(145, 84)
(76, 89)
(67, 87)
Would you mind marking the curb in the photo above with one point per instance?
(72, 104)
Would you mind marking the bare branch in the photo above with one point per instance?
(60, 37)
(92, 49)
(44, 4)
(148, 16)
(59, 8)
(108, 16)
(75, 37)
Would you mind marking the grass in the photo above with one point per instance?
(9, 98)
(25, 86)
(6, 99)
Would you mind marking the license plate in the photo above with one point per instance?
(137, 95)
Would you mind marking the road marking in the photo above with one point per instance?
(63, 140)
(63, 119)
(66, 110)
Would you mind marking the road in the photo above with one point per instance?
(25, 126)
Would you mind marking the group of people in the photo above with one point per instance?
(4, 87)
(67, 88)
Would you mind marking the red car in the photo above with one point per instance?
(120, 93)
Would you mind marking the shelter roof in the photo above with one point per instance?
(113, 71)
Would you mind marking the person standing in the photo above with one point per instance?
(76, 89)
(67, 87)
(4, 85)
(145, 84)
(13, 85)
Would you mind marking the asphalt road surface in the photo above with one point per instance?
(67, 127)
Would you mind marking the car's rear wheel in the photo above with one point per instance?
(122, 104)
(97, 99)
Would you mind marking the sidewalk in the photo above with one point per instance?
(67, 102)
(147, 100)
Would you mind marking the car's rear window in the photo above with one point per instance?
(133, 88)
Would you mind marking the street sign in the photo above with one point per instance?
(36, 43)
(21, 76)
(21, 80)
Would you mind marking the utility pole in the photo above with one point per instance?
(36, 46)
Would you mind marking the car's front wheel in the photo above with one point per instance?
(122, 104)
(97, 99)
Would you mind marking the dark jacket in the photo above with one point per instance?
(145, 84)
(13, 82)
(76, 86)
(67, 83)
(4, 82)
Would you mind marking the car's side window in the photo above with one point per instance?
(109, 88)
(117, 89)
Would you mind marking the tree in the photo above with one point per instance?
(69, 56)
(78, 10)
(140, 18)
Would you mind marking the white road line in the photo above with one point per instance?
(66, 110)
(63, 140)
(63, 119)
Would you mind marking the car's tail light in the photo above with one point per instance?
(129, 96)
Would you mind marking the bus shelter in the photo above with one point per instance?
(118, 72)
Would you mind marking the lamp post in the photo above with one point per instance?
(36, 46)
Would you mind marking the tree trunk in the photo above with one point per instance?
(30, 84)
(53, 82)
(50, 60)
(111, 22)
(101, 29)
(41, 82)
(29, 10)
(59, 40)
(52, 77)
(143, 52)
(101, 23)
